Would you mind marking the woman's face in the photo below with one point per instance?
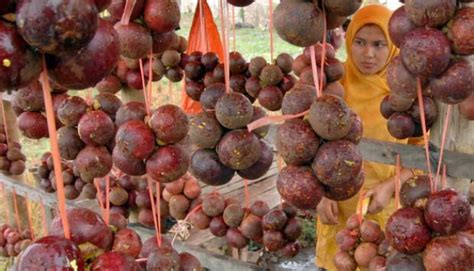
(370, 50)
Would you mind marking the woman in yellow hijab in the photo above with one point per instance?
(369, 50)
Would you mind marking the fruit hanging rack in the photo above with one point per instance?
(459, 165)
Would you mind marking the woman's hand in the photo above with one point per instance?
(380, 196)
(328, 211)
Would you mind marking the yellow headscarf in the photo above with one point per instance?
(364, 93)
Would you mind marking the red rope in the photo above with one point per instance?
(127, 11)
(5, 125)
(99, 196)
(7, 210)
(270, 27)
(30, 222)
(226, 49)
(443, 180)
(315, 71)
(142, 73)
(153, 208)
(107, 200)
(233, 29)
(323, 52)
(158, 208)
(55, 149)
(397, 183)
(443, 140)
(44, 223)
(17, 213)
(425, 134)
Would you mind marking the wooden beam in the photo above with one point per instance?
(458, 164)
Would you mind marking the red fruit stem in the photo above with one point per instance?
(270, 26)
(107, 200)
(226, 48)
(443, 142)
(153, 208)
(44, 223)
(99, 193)
(398, 183)
(323, 53)
(53, 138)
(30, 222)
(127, 11)
(425, 134)
(17, 214)
(4, 118)
(7, 210)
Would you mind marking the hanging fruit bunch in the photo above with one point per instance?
(321, 152)
(361, 244)
(434, 43)
(224, 146)
(433, 229)
(302, 23)
(201, 70)
(74, 186)
(13, 242)
(182, 196)
(277, 230)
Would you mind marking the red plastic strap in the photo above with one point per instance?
(398, 183)
(246, 193)
(127, 11)
(425, 133)
(99, 197)
(107, 200)
(360, 206)
(17, 213)
(30, 222)
(150, 83)
(142, 73)
(443, 140)
(270, 27)
(443, 179)
(55, 149)
(153, 208)
(323, 52)
(7, 210)
(226, 45)
(4, 117)
(233, 29)
(202, 26)
(158, 208)
(44, 223)
(273, 119)
(315, 71)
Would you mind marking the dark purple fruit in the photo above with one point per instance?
(96, 128)
(432, 13)
(261, 167)
(107, 103)
(399, 26)
(211, 94)
(204, 130)
(30, 98)
(93, 162)
(207, 168)
(234, 110)
(130, 111)
(400, 81)
(135, 40)
(239, 149)
(300, 187)
(21, 66)
(330, 117)
(170, 124)
(447, 211)
(33, 125)
(135, 138)
(69, 25)
(109, 84)
(86, 68)
(407, 230)
(296, 142)
(167, 164)
(298, 99)
(455, 84)
(426, 52)
(415, 191)
(69, 142)
(270, 98)
(401, 125)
